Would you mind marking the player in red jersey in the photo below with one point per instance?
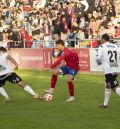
(71, 68)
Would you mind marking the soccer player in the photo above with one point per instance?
(7, 74)
(71, 68)
(108, 55)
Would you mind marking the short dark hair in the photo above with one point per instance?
(106, 37)
(60, 42)
(3, 49)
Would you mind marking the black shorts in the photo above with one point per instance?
(11, 77)
(111, 80)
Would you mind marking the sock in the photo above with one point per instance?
(118, 90)
(71, 88)
(51, 90)
(53, 81)
(107, 96)
(3, 92)
(29, 90)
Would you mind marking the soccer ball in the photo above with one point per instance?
(48, 97)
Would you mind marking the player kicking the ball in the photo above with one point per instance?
(71, 68)
(7, 74)
(109, 56)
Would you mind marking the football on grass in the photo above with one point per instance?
(48, 97)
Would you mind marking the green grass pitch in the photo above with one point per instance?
(23, 112)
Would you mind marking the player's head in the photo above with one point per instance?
(2, 49)
(60, 44)
(105, 38)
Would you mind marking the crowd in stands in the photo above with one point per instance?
(29, 22)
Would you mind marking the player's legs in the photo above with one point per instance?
(2, 90)
(53, 81)
(106, 96)
(111, 83)
(117, 90)
(28, 89)
(115, 84)
(72, 73)
(71, 88)
(63, 70)
(14, 78)
(3, 93)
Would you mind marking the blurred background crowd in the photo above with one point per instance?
(37, 23)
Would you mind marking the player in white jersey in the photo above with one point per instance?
(7, 74)
(108, 55)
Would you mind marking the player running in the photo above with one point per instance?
(71, 68)
(7, 74)
(109, 56)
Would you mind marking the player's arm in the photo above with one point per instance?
(59, 60)
(99, 56)
(119, 59)
(119, 52)
(13, 61)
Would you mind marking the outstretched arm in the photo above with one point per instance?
(13, 61)
(58, 61)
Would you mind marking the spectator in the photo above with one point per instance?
(80, 35)
(64, 29)
(110, 30)
(117, 34)
(62, 17)
(1, 36)
(93, 25)
(47, 34)
(102, 30)
(94, 43)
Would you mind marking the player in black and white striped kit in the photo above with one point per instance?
(108, 55)
(7, 74)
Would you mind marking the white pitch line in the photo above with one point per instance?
(78, 80)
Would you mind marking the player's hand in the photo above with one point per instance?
(98, 62)
(47, 69)
(16, 67)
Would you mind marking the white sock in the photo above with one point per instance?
(118, 90)
(29, 90)
(52, 90)
(107, 96)
(3, 92)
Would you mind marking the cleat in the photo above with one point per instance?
(71, 98)
(36, 97)
(7, 100)
(50, 91)
(102, 106)
(47, 91)
(41, 97)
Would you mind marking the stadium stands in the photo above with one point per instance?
(37, 23)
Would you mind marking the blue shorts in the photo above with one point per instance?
(68, 70)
